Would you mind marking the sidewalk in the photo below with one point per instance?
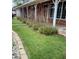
(20, 45)
(62, 30)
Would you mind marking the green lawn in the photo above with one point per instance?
(39, 46)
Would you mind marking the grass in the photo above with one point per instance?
(39, 46)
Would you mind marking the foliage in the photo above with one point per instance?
(30, 24)
(18, 18)
(36, 26)
(17, 2)
(48, 30)
(24, 21)
(27, 22)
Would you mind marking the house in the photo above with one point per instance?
(47, 11)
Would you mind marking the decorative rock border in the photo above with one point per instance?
(20, 46)
(15, 51)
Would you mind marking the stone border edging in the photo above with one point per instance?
(20, 46)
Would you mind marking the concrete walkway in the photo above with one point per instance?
(62, 30)
(20, 45)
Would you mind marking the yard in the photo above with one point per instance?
(39, 46)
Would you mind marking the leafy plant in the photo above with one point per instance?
(48, 30)
(24, 21)
(19, 18)
(36, 26)
(30, 24)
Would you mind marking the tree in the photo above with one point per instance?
(18, 2)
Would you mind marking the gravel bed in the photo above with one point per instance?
(15, 51)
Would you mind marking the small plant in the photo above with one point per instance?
(24, 21)
(48, 30)
(36, 26)
(30, 24)
(19, 18)
(27, 22)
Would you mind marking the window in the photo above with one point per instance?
(52, 11)
(60, 10)
(64, 11)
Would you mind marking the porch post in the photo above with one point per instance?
(48, 12)
(35, 12)
(55, 12)
(22, 12)
(27, 11)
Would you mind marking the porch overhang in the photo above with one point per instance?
(26, 4)
(33, 2)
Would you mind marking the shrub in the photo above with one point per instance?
(24, 21)
(19, 18)
(27, 22)
(48, 30)
(54, 30)
(36, 26)
(30, 24)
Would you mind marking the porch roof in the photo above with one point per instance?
(31, 3)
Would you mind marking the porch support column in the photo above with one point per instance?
(27, 11)
(22, 12)
(48, 13)
(55, 12)
(35, 12)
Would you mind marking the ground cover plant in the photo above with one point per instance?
(47, 30)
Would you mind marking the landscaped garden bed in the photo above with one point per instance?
(40, 46)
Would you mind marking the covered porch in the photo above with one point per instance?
(50, 12)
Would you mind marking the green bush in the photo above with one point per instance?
(24, 21)
(27, 22)
(30, 24)
(36, 26)
(19, 18)
(48, 30)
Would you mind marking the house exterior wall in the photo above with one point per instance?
(31, 12)
(18, 12)
(25, 12)
(43, 12)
